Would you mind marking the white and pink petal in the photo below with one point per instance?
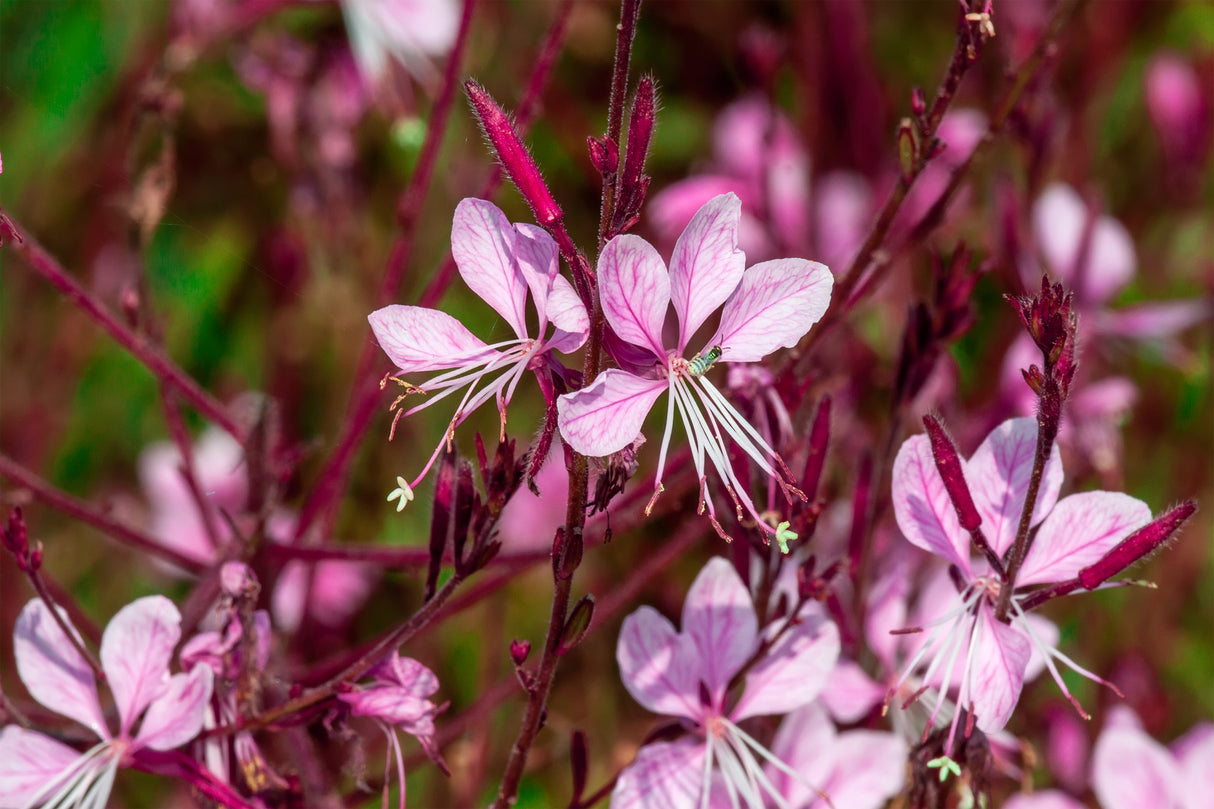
(659, 667)
(922, 507)
(484, 245)
(794, 670)
(773, 307)
(719, 617)
(1131, 770)
(176, 716)
(31, 766)
(999, 659)
(1078, 532)
(53, 670)
(607, 415)
(998, 475)
(136, 649)
(634, 288)
(706, 265)
(567, 313)
(665, 775)
(420, 339)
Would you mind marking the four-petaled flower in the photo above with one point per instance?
(135, 651)
(688, 674)
(984, 658)
(501, 263)
(398, 698)
(769, 306)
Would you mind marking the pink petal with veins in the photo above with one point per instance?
(719, 617)
(793, 672)
(922, 507)
(665, 775)
(30, 765)
(419, 339)
(998, 475)
(176, 716)
(659, 667)
(1000, 657)
(485, 246)
(1131, 770)
(634, 288)
(1080, 530)
(53, 670)
(136, 648)
(773, 307)
(607, 415)
(706, 265)
(567, 313)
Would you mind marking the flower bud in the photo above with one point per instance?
(949, 466)
(519, 650)
(577, 625)
(514, 157)
(1136, 546)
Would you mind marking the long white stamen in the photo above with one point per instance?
(706, 778)
(694, 442)
(779, 764)
(733, 422)
(734, 776)
(657, 481)
(75, 778)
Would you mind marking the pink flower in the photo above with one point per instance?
(1130, 769)
(504, 264)
(410, 31)
(398, 699)
(859, 769)
(989, 659)
(759, 157)
(336, 589)
(1177, 105)
(135, 651)
(687, 674)
(769, 306)
(1094, 255)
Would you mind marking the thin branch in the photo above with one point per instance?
(140, 346)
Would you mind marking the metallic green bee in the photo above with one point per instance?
(700, 363)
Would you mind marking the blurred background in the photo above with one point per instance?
(231, 183)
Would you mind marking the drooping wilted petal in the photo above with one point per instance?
(998, 475)
(659, 667)
(52, 669)
(485, 247)
(719, 617)
(395, 705)
(568, 314)
(1131, 770)
(634, 288)
(1000, 657)
(773, 307)
(706, 265)
(177, 714)
(607, 415)
(136, 648)
(407, 673)
(793, 672)
(666, 775)
(419, 339)
(922, 506)
(1079, 531)
(30, 763)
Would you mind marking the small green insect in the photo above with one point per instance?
(700, 363)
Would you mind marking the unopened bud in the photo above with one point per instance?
(603, 155)
(1136, 546)
(577, 625)
(519, 650)
(514, 157)
(640, 132)
(948, 464)
(918, 101)
(906, 149)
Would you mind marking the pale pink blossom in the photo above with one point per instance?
(986, 660)
(398, 698)
(411, 32)
(757, 155)
(1094, 255)
(766, 307)
(1132, 770)
(687, 674)
(504, 264)
(1178, 106)
(332, 590)
(858, 769)
(136, 648)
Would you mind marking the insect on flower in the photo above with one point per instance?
(700, 363)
